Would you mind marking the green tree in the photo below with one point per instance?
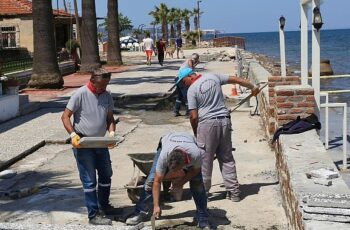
(160, 14)
(114, 56)
(90, 59)
(124, 23)
(172, 21)
(46, 73)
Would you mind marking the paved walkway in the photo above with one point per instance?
(59, 204)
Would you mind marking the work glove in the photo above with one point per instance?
(111, 134)
(75, 139)
(255, 90)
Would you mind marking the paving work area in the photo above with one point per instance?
(56, 201)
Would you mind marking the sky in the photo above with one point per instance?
(235, 16)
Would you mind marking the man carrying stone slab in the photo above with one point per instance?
(211, 124)
(92, 110)
(177, 159)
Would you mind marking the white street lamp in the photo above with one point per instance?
(282, 23)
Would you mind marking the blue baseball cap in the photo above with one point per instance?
(184, 73)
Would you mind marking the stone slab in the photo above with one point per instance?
(329, 211)
(323, 181)
(324, 173)
(97, 142)
(324, 217)
(329, 200)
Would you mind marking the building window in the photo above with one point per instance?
(8, 37)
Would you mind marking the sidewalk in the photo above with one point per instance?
(60, 204)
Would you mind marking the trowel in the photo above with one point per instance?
(245, 100)
(153, 222)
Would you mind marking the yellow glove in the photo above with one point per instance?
(111, 146)
(75, 139)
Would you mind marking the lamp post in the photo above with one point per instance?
(282, 23)
(198, 22)
(316, 50)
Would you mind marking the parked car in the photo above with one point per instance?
(128, 41)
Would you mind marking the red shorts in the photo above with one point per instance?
(149, 53)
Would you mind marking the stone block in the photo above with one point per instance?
(329, 200)
(322, 181)
(97, 142)
(331, 218)
(328, 211)
(324, 173)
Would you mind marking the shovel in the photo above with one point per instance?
(245, 100)
(153, 222)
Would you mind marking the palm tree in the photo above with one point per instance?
(114, 56)
(65, 5)
(186, 14)
(160, 14)
(195, 18)
(178, 21)
(77, 20)
(172, 19)
(90, 59)
(46, 73)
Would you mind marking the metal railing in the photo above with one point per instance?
(229, 41)
(14, 66)
(328, 105)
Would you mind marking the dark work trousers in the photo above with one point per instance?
(214, 138)
(181, 98)
(161, 57)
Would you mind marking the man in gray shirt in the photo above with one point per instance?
(92, 110)
(211, 124)
(177, 158)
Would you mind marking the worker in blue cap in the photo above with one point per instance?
(211, 124)
(181, 98)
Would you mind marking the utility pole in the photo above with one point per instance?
(198, 22)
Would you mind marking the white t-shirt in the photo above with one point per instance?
(205, 94)
(183, 141)
(148, 43)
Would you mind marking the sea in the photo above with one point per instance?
(335, 46)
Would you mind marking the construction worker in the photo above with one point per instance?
(211, 124)
(181, 97)
(92, 109)
(177, 159)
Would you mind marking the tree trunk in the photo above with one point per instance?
(77, 21)
(172, 34)
(178, 28)
(65, 6)
(114, 56)
(187, 25)
(46, 73)
(195, 22)
(165, 29)
(90, 59)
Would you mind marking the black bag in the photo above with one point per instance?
(298, 126)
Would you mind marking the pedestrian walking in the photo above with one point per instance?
(177, 159)
(148, 46)
(178, 47)
(92, 110)
(211, 124)
(160, 49)
(181, 97)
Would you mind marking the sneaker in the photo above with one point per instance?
(100, 220)
(138, 218)
(204, 225)
(109, 210)
(177, 114)
(232, 197)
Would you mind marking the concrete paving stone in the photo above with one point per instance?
(329, 200)
(324, 173)
(324, 217)
(323, 181)
(325, 225)
(98, 142)
(330, 211)
(13, 226)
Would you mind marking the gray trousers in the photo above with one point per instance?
(214, 138)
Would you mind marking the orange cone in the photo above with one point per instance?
(234, 91)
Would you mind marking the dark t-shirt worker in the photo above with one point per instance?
(211, 124)
(160, 49)
(92, 109)
(178, 46)
(177, 158)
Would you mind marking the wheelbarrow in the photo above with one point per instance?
(142, 162)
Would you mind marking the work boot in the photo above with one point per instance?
(138, 218)
(109, 210)
(176, 114)
(233, 197)
(204, 225)
(100, 220)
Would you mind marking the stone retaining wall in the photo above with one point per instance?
(296, 154)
